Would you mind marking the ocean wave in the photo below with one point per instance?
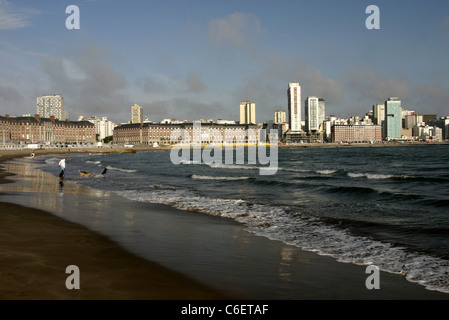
(120, 169)
(200, 177)
(308, 233)
(94, 162)
(233, 166)
(325, 172)
(374, 176)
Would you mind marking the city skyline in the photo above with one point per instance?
(204, 58)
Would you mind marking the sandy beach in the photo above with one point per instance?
(39, 239)
(36, 247)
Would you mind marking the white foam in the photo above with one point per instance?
(326, 172)
(307, 233)
(373, 176)
(120, 169)
(200, 177)
(94, 162)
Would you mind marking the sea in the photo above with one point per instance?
(382, 205)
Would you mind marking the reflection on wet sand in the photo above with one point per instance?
(49, 189)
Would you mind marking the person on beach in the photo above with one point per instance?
(62, 166)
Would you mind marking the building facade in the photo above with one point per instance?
(35, 129)
(294, 106)
(136, 114)
(356, 133)
(280, 116)
(103, 127)
(51, 105)
(161, 134)
(393, 118)
(247, 112)
(378, 113)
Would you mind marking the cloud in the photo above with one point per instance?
(14, 18)
(374, 86)
(431, 98)
(150, 86)
(10, 95)
(89, 85)
(238, 31)
(268, 87)
(195, 83)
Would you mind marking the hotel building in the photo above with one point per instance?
(151, 133)
(36, 129)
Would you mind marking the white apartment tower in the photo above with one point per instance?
(136, 114)
(49, 105)
(247, 112)
(312, 114)
(294, 106)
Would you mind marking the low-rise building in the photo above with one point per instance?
(356, 133)
(44, 130)
(162, 133)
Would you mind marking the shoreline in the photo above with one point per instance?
(34, 244)
(318, 277)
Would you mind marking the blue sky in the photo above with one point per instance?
(199, 59)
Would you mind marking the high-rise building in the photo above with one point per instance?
(136, 114)
(311, 113)
(280, 117)
(294, 106)
(247, 112)
(321, 112)
(379, 113)
(393, 119)
(315, 112)
(51, 105)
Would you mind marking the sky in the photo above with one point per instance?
(192, 59)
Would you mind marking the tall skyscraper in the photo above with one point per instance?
(312, 114)
(247, 112)
(379, 113)
(393, 120)
(49, 105)
(321, 112)
(136, 114)
(294, 106)
(280, 117)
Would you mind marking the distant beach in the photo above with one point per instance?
(39, 239)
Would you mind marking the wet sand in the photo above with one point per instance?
(189, 251)
(36, 247)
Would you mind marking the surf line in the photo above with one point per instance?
(233, 139)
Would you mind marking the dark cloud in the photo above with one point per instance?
(10, 100)
(376, 87)
(195, 83)
(149, 85)
(89, 85)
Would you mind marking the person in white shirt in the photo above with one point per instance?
(62, 166)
